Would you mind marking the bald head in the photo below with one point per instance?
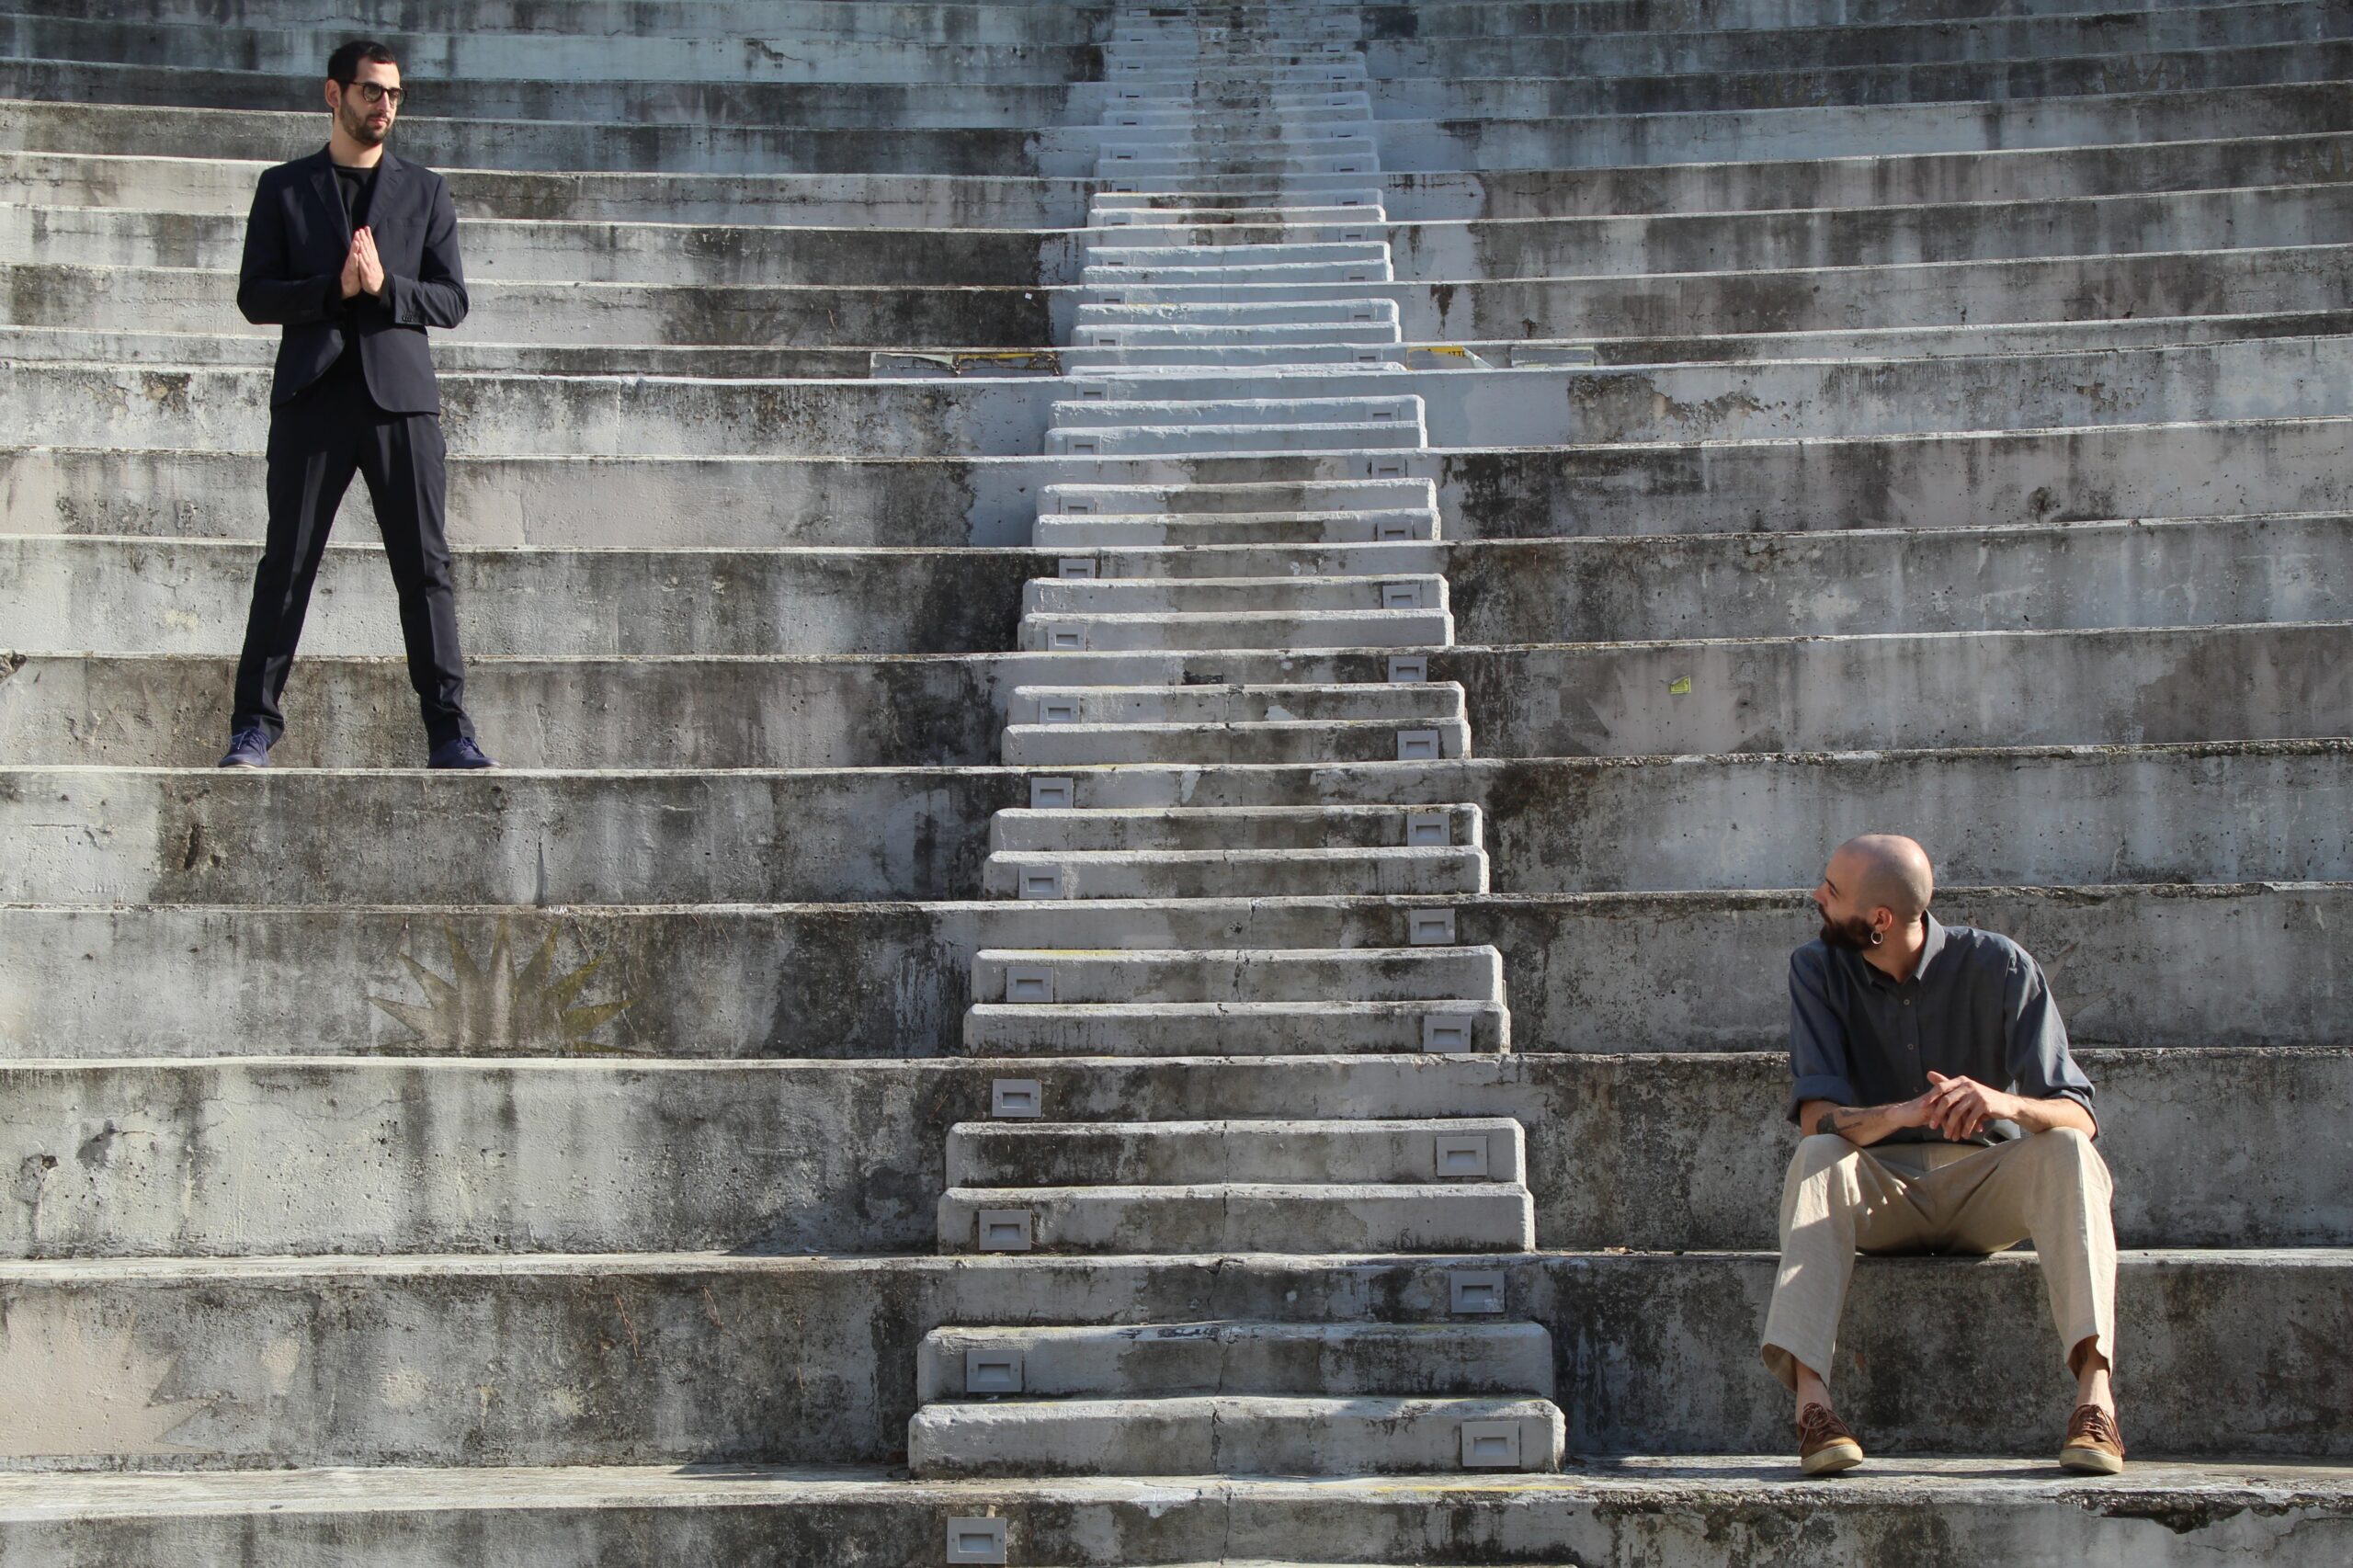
(1883, 870)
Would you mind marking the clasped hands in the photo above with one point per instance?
(1957, 1108)
(363, 269)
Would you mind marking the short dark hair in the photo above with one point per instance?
(344, 64)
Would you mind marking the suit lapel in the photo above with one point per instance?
(388, 177)
(322, 183)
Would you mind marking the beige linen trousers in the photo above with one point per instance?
(1840, 1198)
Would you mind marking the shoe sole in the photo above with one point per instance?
(1832, 1460)
(251, 767)
(2090, 1461)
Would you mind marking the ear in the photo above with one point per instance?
(334, 96)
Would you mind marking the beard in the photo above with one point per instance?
(354, 118)
(1853, 934)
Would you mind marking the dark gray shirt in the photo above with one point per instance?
(1977, 1006)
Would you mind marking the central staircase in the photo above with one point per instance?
(1237, 150)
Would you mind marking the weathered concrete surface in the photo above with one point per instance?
(509, 250)
(152, 1158)
(629, 56)
(226, 409)
(1607, 1513)
(1963, 480)
(2218, 813)
(2257, 279)
(915, 200)
(878, 107)
(695, 1358)
(225, 186)
(977, 21)
(1809, 693)
(1605, 972)
(146, 595)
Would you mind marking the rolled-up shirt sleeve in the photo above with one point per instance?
(2040, 1066)
(1817, 1039)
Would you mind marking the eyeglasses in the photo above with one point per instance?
(376, 91)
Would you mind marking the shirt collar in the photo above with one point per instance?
(1931, 944)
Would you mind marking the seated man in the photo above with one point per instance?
(1942, 1114)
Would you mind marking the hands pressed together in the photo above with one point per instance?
(1959, 1109)
(363, 269)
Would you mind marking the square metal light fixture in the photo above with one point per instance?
(1429, 928)
(1076, 569)
(1028, 982)
(1474, 1293)
(1040, 882)
(992, 1372)
(1463, 1156)
(1015, 1099)
(1002, 1230)
(1420, 745)
(1401, 595)
(975, 1540)
(1426, 830)
(1053, 794)
(1491, 1445)
(1403, 668)
(1448, 1034)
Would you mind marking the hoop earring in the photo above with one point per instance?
(1878, 937)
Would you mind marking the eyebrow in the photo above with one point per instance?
(1828, 883)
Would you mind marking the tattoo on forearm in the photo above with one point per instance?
(1828, 1125)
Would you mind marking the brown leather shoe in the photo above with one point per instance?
(1825, 1446)
(2093, 1446)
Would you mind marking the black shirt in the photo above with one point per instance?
(1976, 1006)
(358, 189)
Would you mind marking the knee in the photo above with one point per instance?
(1819, 1151)
(2071, 1153)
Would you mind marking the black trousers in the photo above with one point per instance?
(316, 443)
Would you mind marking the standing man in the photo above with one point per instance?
(355, 254)
(1942, 1114)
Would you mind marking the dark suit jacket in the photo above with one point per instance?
(295, 243)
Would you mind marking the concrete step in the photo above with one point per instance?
(1189, 1153)
(466, 54)
(1235, 975)
(811, 1359)
(634, 1149)
(1343, 410)
(881, 980)
(1260, 497)
(1828, 694)
(1161, 1360)
(1249, 1217)
(1015, 830)
(1118, 250)
(2210, 813)
(1207, 596)
(1079, 744)
(1096, 407)
(770, 1518)
(1408, 703)
(1158, 438)
(1068, 633)
(1234, 1435)
(1197, 530)
(1102, 275)
(1224, 873)
(1433, 1026)
(1188, 356)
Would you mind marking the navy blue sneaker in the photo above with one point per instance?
(458, 751)
(247, 749)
